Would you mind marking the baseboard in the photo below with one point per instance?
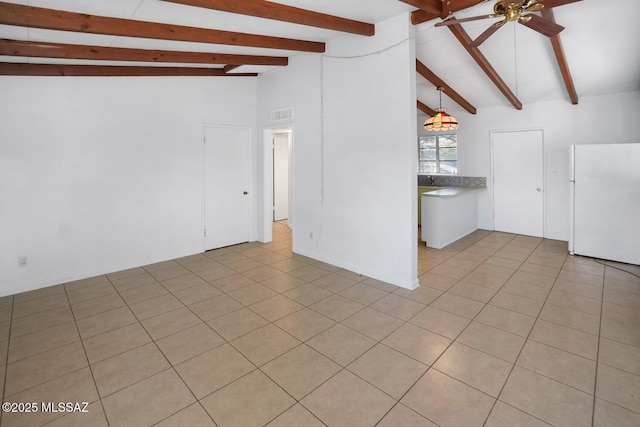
(111, 268)
(411, 285)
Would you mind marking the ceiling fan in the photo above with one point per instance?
(514, 10)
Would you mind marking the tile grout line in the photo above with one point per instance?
(171, 366)
(176, 309)
(257, 368)
(431, 366)
(595, 380)
(228, 342)
(243, 306)
(342, 368)
(6, 363)
(139, 322)
(99, 400)
(522, 348)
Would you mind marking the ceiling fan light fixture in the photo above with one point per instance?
(441, 120)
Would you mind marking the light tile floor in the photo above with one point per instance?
(505, 330)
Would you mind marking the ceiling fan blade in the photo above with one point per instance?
(454, 21)
(548, 4)
(487, 33)
(541, 25)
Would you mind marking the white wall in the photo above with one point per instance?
(104, 174)
(609, 118)
(369, 210)
(354, 151)
(297, 86)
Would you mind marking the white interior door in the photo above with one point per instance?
(518, 202)
(226, 186)
(280, 176)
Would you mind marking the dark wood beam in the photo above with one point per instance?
(19, 69)
(73, 51)
(434, 7)
(429, 9)
(419, 16)
(562, 60)
(484, 64)
(425, 109)
(51, 19)
(450, 6)
(282, 12)
(230, 67)
(438, 82)
(447, 7)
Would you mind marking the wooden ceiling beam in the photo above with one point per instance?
(230, 67)
(103, 53)
(21, 69)
(425, 109)
(419, 16)
(51, 19)
(438, 82)
(431, 9)
(282, 12)
(484, 64)
(562, 60)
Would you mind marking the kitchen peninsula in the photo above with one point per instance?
(449, 214)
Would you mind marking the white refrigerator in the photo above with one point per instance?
(605, 201)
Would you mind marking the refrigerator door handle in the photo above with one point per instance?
(572, 201)
(572, 219)
(572, 164)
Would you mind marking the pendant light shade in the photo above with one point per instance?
(441, 121)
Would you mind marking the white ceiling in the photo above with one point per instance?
(602, 46)
(161, 11)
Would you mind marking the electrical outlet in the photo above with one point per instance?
(22, 261)
(311, 235)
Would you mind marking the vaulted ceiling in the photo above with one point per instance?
(598, 52)
(601, 46)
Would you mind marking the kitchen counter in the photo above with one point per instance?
(449, 214)
(452, 191)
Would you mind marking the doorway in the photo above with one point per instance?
(282, 176)
(270, 175)
(518, 178)
(226, 186)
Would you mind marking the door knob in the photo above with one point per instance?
(245, 193)
(538, 189)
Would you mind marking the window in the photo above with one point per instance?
(438, 154)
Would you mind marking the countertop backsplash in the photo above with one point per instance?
(453, 181)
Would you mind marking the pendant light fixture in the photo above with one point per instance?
(441, 121)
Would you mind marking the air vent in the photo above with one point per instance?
(280, 115)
